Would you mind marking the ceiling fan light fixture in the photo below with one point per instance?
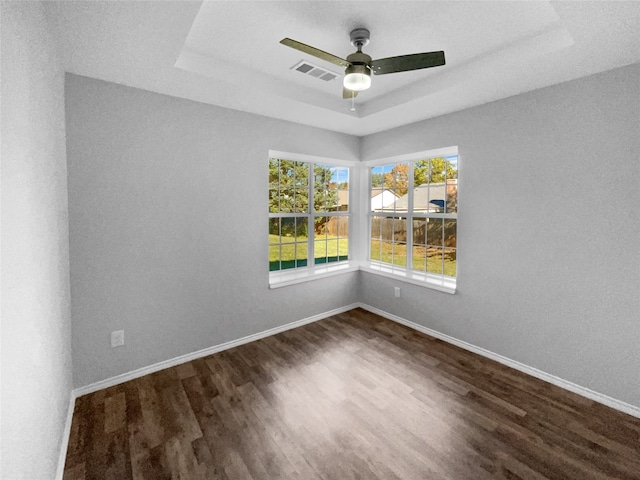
(359, 65)
(357, 77)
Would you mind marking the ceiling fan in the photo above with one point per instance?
(357, 76)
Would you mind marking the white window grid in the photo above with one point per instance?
(408, 216)
(309, 216)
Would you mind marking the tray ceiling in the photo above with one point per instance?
(227, 53)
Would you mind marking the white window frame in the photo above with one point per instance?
(282, 278)
(439, 282)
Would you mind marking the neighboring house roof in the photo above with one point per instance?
(426, 198)
(380, 199)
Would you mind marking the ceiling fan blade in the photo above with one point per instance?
(328, 57)
(347, 94)
(405, 63)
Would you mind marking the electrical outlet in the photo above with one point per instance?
(396, 292)
(117, 338)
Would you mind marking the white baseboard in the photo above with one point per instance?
(140, 372)
(65, 436)
(534, 372)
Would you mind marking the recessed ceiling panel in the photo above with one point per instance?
(247, 34)
(228, 53)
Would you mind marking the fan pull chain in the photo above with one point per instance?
(353, 101)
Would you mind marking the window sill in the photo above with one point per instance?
(294, 276)
(435, 282)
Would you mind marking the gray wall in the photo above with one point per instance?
(168, 240)
(36, 346)
(167, 219)
(549, 228)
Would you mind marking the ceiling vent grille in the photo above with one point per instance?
(315, 71)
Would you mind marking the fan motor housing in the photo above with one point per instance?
(360, 37)
(359, 58)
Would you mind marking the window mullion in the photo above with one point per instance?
(409, 244)
(310, 219)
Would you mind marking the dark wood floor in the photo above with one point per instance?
(353, 396)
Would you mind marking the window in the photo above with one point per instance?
(413, 219)
(308, 216)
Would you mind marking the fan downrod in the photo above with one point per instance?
(359, 37)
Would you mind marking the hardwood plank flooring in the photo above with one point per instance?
(353, 396)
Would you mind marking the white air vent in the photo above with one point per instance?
(315, 71)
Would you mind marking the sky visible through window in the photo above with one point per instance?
(388, 168)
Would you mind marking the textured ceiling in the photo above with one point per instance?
(227, 53)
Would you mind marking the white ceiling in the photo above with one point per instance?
(227, 53)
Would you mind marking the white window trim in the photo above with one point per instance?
(292, 276)
(441, 283)
(436, 282)
(359, 229)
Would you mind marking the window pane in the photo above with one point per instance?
(419, 231)
(434, 260)
(399, 229)
(386, 252)
(375, 250)
(326, 200)
(434, 231)
(286, 200)
(274, 257)
(450, 234)
(331, 200)
(386, 229)
(301, 174)
(377, 176)
(400, 254)
(437, 195)
(452, 196)
(377, 199)
(336, 227)
(437, 170)
(399, 200)
(320, 251)
(286, 172)
(274, 230)
(419, 258)
(287, 229)
(301, 200)
(319, 200)
(343, 249)
(274, 200)
(450, 261)
(376, 227)
(343, 200)
(452, 183)
(274, 172)
(397, 178)
(287, 255)
(320, 227)
(332, 250)
(341, 179)
(321, 176)
(301, 230)
(421, 173)
(301, 254)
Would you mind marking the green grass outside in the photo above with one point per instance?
(332, 250)
(397, 255)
